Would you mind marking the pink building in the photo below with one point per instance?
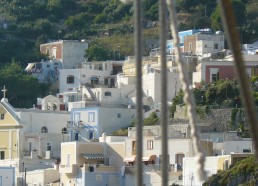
(209, 71)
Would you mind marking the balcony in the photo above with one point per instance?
(68, 169)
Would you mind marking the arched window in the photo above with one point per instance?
(64, 130)
(54, 106)
(44, 130)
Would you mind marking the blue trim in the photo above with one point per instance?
(13, 169)
(87, 126)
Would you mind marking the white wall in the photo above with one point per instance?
(229, 147)
(152, 85)
(109, 120)
(81, 76)
(73, 53)
(7, 176)
(32, 123)
(42, 177)
(189, 169)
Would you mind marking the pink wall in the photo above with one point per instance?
(224, 72)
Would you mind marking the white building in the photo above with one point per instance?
(152, 85)
(7, 176)
(42, 177)
(91, 74)
(204, 43)
(69, 52)
(212, 165)
(89, 123)
(46, 71)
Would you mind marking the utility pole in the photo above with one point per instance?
(25, 177)
(192, 179)
(22, 173)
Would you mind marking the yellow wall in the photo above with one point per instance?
(221, 162)
(8, 140)
(4, 143)
(8, 134)
(8, 119)
(14, 145)
(68, 148)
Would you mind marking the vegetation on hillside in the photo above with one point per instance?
(244, 172)
(24, 24)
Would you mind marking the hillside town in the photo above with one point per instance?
(67, 138)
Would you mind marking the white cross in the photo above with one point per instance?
(4, 91)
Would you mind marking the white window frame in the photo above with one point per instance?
(149, 144)
(91, 117)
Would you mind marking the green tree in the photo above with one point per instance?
(22, 89)
(151, 120)
(153, 12)
(97, 52)
(239, 11)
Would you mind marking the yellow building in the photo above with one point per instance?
(9, 131)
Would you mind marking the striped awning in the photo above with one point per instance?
(93, 156)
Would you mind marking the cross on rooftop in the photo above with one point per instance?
(4, 91)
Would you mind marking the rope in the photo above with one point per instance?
(229, 23)
(188, 96)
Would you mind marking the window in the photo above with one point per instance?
(47, 51)
(214, 77)
(107, 93)
(54, 106)
(44, 130)
(98, 177)
(106, 81)
(48, 147)
(64, 130)
(2, 116)
(118, 115)
(216, 46)
(1, 155)
(70, 79)
(68, 156)
(246, 150)
(91, 117)
(150, 144)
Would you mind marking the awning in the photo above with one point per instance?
(29, 66)
(129, 159)
(149, 158)
(144, 158)
(93, 156)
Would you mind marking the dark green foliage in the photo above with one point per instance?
(220, 91)
(22, 89)
(153, 12)
(151, 120)
(97, 52)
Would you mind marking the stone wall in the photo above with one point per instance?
(207, 119)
